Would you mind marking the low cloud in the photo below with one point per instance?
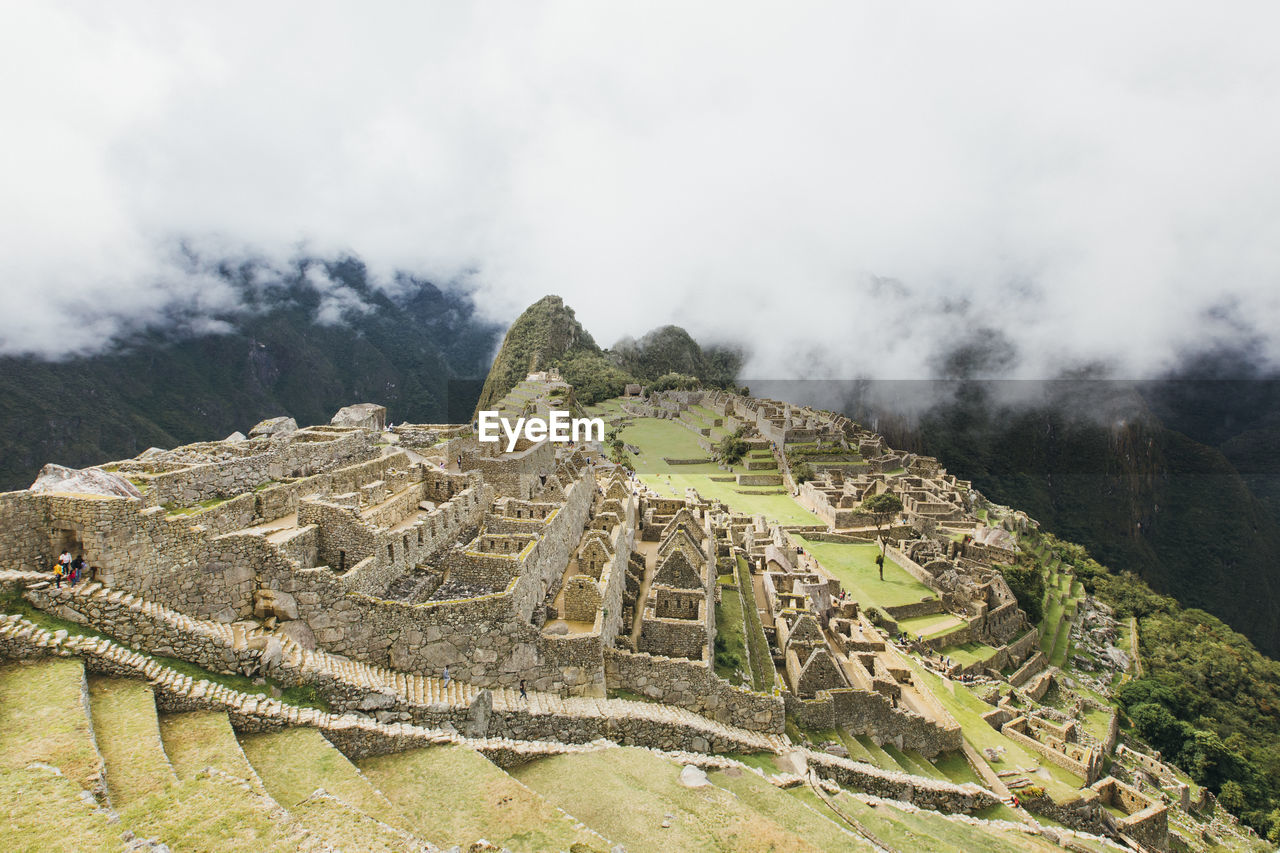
(846, 191)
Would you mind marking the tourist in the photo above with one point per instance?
(58, 571)
(524, 693)
(65, 561)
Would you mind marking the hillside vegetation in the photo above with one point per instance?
(548, 335)
(1207, 699)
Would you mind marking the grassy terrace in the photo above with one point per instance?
(658, 438)
(929, 626)
(855, 567)
(969, 653)
(763, 674)
(968, 709)
(731, 644)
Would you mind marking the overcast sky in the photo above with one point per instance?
(847, 189)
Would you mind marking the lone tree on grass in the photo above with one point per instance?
(732, 448)
(882, 509)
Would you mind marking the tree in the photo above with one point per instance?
(1232, 797)
(732, 448)
(1027, 585)
(882, 509)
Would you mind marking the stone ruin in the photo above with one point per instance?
(403, 552)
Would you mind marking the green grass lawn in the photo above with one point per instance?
(763, 674)
(731, 651)
(658, 438)
(969, 653)
(1096, 722)
(634, 798)
(855, 567)
(955, 767)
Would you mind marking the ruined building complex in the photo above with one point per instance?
(538, 601)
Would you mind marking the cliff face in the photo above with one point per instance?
(418, 354)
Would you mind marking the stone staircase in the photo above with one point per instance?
(386, 693)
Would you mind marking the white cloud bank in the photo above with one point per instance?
(842, 187)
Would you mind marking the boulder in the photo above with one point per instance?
(793, 762)
(375, 701)
(83, 481)
(235, 438)
(478, 714)
(692, 776)
(362, 416)
(274, 426)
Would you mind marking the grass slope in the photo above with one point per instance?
(628, 794)
(128, 733)
(454, 795)
(43, 718)
(294, 763)
(855, 567)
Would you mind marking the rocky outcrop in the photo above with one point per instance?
(274, 426)
(361, 416)
(83, 481)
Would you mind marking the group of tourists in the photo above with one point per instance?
(68, 569)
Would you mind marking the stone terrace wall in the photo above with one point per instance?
(692, 685)
(869, 713)
(1080, 768)
(291, 456)
(635, 723)
(25, 536)
(934, 794)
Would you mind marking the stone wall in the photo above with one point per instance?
(1146, 821)
(26, 540)
(632, 723)
(290, 455)
(869, 713)
(582, 600)
(1086, 770)
(934, 794)
(693, 685)
(681, 638)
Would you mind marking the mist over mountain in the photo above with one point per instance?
(300, 341)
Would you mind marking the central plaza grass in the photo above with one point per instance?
(855, 567)
(658, 438)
